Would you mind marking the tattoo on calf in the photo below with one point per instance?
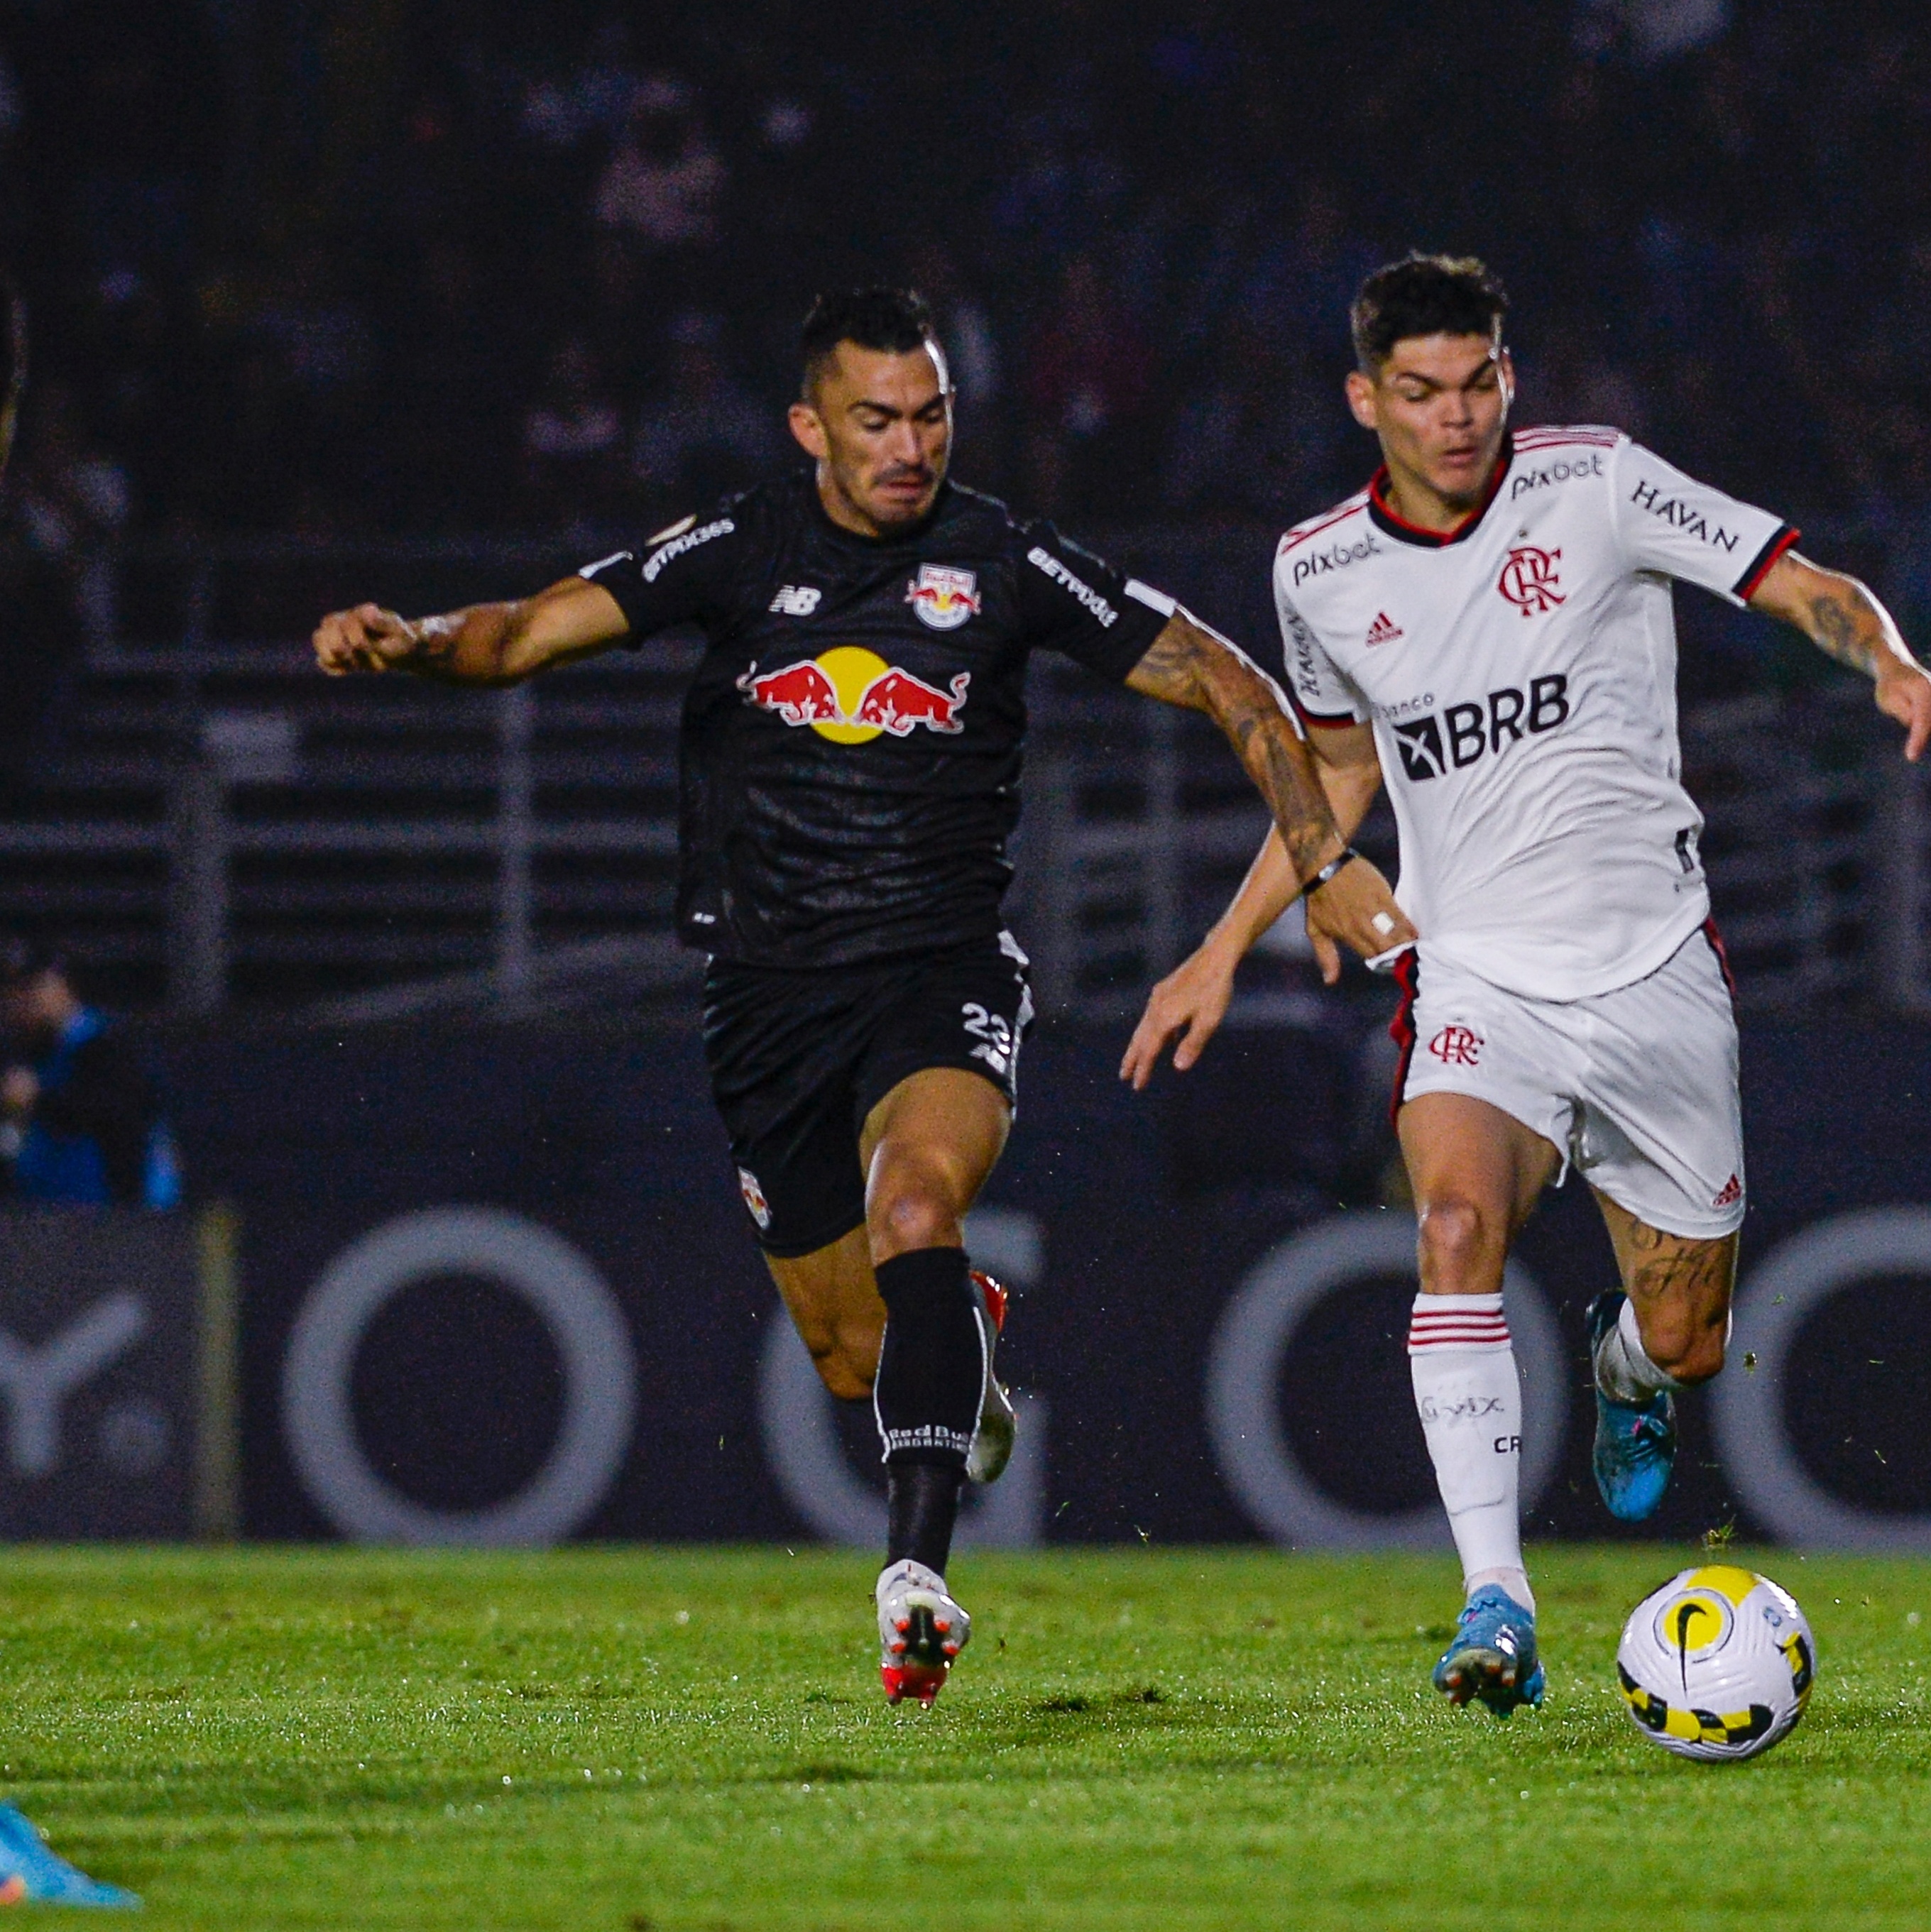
(1691, 1267)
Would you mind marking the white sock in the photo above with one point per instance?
(1623, 1370)
(1469, 1400)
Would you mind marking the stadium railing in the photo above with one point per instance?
(222, 828)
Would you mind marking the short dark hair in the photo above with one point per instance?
(896, 321)
(1425, 294)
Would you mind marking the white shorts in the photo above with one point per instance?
(1636, 1089)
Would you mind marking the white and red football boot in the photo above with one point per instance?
(991, 1448)
(921, 1629)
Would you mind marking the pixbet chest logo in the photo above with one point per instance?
(1529, 580)
(850, 695)
(1433, 744)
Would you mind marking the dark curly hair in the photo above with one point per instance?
(1425, 294)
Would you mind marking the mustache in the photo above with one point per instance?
(908, 472)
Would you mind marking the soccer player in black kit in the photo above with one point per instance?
(850, 755)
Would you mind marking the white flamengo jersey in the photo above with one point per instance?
(1520, 672)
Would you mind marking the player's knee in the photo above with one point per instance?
(1460, 1247)
(911, 1206)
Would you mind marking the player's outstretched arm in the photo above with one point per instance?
(1844, 619)
(1187, 1007)
(486, 644)
(1189, 665)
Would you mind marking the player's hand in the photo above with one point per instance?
(367, 638)
(1191, 1001)
(1903, 693)
(1356, 909)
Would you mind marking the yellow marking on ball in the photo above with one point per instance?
(1725, 1578)
(1695, 1622)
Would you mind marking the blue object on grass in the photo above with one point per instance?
(29, 1870)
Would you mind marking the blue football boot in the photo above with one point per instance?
(1636, 1442)
(30, 1870)
(1492, 1657)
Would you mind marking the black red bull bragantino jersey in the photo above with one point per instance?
(850, 743)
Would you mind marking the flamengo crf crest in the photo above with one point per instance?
(1529, 580)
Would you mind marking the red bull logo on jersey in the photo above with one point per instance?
(850, 695)
(943, 597)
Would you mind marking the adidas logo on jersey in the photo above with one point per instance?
(1383, 631)
(1431, 745)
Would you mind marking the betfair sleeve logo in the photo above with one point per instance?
(678, 547)
(1103, 613)
(1433, 744)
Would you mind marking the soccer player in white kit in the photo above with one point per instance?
(1487, 629)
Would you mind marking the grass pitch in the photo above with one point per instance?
(688, 1740)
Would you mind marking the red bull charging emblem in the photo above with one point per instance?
(849, 695)
(943, 597)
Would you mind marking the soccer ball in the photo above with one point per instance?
(1717, 1663)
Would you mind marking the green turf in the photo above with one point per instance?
(695, 1739)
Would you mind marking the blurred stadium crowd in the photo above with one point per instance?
(322, 267)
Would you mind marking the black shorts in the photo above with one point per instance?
(799, 1058)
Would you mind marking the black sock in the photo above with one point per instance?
(932, 1379)
(922, 1503)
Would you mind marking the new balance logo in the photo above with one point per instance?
(1733, 1192)
(1383, 631)
(795, 600)
(1430, 747)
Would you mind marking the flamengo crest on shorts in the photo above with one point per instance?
(1519, 672)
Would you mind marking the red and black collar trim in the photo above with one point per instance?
(1391, 523)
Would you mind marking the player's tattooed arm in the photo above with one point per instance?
(487, 644)
(1845, 620)
(1190, 666)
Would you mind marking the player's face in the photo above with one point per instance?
(1440, 404)
(880, 426)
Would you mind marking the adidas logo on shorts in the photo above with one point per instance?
(1733, 1192)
